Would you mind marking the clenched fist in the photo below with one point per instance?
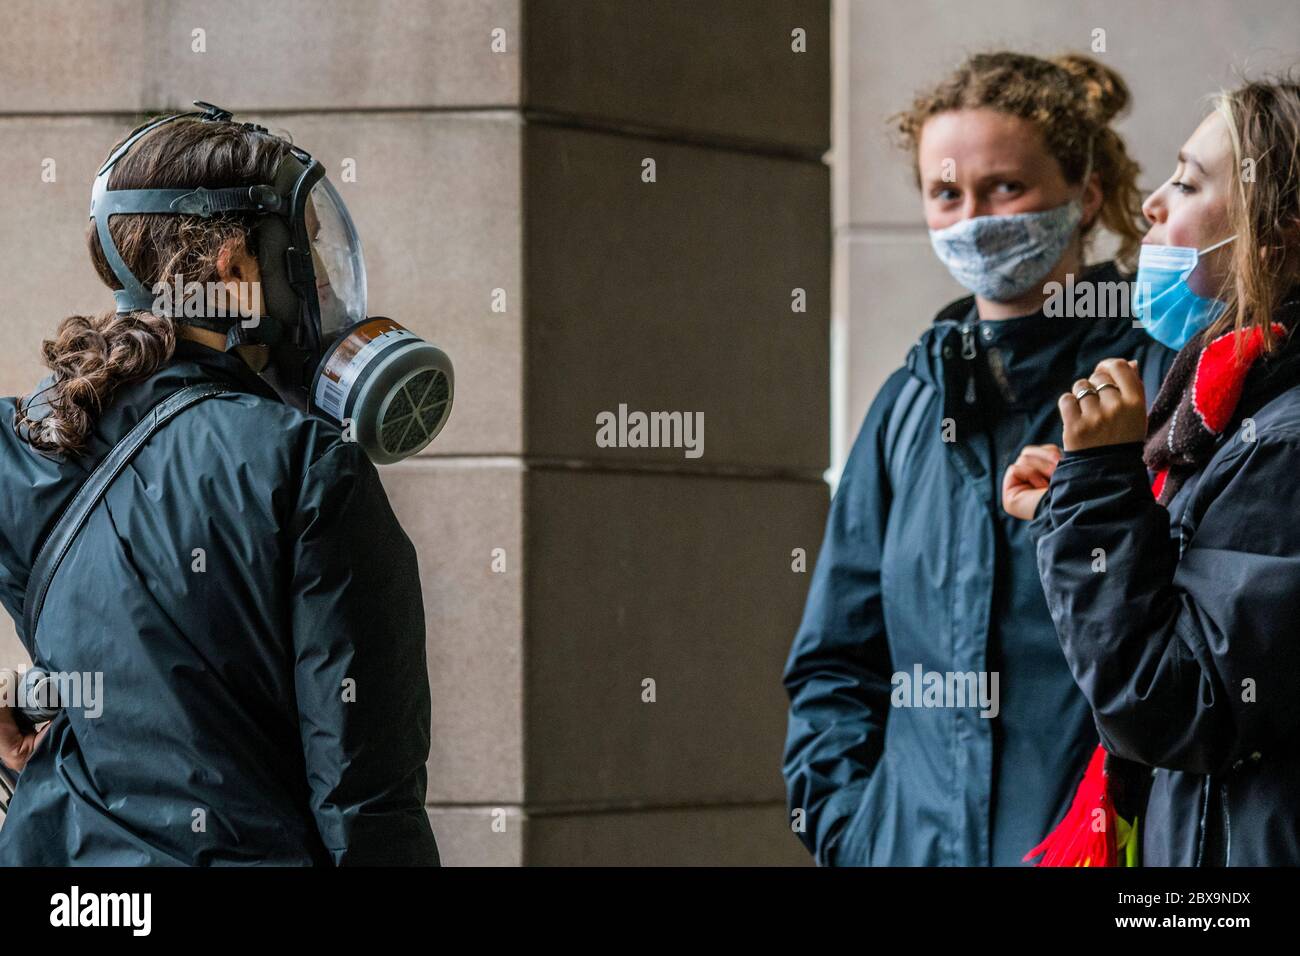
(1026, 480)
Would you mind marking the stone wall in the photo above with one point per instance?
(517, 176)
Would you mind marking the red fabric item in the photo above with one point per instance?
(1159, 482)
(1196, 404)
(1220, 375)
(1086, 837)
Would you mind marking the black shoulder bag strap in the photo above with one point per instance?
(92, 490)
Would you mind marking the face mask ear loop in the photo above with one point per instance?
(1223, 242)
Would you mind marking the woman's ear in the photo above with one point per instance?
(235, 263)
(1092, 200)
(238, 272)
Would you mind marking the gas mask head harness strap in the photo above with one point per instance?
(278, 209)
(370, 375)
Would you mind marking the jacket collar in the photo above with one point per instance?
(221, 366)
(1280, 370)
(190, 363)
(1023, 354)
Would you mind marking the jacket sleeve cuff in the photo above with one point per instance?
(1122, 450)
(1041, 521)
(1080, 462)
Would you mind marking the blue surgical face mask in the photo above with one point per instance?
(1000, 258)
(1163, 301)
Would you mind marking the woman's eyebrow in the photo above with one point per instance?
(1188, 159)
(931, 180)
(992, 175)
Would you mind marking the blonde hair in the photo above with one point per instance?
(1072, 99)
(1263, 120)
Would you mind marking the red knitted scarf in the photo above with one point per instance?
(1195, 404)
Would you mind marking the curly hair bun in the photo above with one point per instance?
(1104, 91)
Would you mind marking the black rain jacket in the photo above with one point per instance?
(921, 568)
(1186, 643)
(254, 609)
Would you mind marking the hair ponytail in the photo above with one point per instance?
(90, 356)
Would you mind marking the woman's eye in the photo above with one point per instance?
(1008, 187)
(946, 194)
(1182, 187)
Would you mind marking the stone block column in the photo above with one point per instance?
(596, 209)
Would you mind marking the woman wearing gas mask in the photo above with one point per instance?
(1186, 645)
(210, 553)
(933, 718)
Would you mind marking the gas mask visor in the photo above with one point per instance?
(337, 262)
(385, 386)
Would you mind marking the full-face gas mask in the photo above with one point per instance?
(388, 386)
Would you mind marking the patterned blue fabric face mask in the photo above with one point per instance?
(1163, 301)
(1001, 258)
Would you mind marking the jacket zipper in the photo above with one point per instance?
(968, 353)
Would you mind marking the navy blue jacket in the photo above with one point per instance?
(1186, 645)
(254, 608)
(921, 568)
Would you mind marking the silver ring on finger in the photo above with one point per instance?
(1106, 385)
(1083, 393)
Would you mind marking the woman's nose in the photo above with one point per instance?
(1153, 208)
(972, 207)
